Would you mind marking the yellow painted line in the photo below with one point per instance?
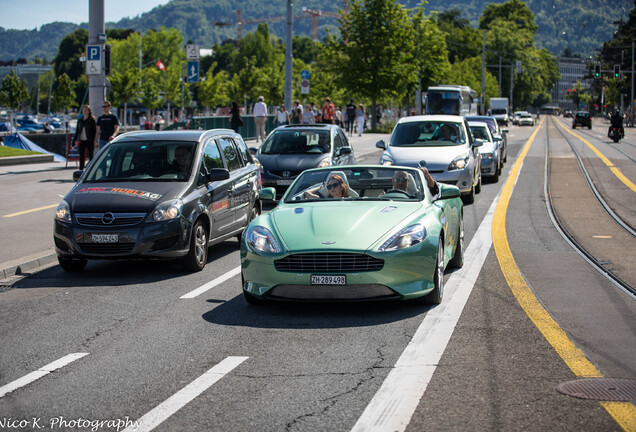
(617, 172)
(30, 211)
(623, 413)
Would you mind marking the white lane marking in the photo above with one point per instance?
(395, 402)
(212, 284)
(174, 403)
(43, 371)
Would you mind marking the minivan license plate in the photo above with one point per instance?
(328, 280)
(105, 238)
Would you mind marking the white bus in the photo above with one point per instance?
(451, 99)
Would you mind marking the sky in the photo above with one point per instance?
(29, 14)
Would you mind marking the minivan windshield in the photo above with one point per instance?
(143, 161)
(428, 134)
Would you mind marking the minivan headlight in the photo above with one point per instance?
(167, 211)
(63, 212)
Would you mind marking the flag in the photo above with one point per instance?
(160, 65)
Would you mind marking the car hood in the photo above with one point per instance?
(436, 157)
(122, 197)
(349, 225)
(290, 162)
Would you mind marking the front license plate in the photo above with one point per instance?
(328, 280)
(105, 238)
(284, 182)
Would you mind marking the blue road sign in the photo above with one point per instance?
(304, 74)
(192, 71)
(93, 52)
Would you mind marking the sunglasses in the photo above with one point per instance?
(333, 185)
(399, 179)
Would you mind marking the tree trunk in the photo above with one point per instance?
(373, 117)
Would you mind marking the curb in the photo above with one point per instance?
(20, 160)
(28, 263)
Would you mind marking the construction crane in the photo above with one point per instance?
(314, 14)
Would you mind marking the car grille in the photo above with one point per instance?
(105, 219)
(279, 173)
(99, 248)
(328, 262)
(331, 293)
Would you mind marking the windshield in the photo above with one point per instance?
(357, 183)
(289, 141)
(490, 121)
(442, 103)
(499, 111)
(143, 161)
(480, 132)
(428, 134)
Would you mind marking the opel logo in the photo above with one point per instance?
(286, 173)
(108, 218)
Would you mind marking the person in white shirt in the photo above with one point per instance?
(260, 119)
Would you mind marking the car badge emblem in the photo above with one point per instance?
(328, 242)
(286, 173)
(108, 218)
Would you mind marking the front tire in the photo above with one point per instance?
(197, 256)
(478, 187)
(469, 198)
(458, 258)
(72, 265)
(435, 296)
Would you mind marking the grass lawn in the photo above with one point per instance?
(10, 151)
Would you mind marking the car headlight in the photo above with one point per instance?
(325, 163)
(262, 239)
(407, 237)
(167, 211)
(385, 159)
(459, 162)
(63, 212)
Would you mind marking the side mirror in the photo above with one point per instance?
(478, 143)
(504, 131)
(268, 193)
(344, 151)
(381, 144)
(77, 174)
(253, 150)
(497, 138)
(218, 174)
(448, 191)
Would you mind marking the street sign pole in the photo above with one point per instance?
(96, 32)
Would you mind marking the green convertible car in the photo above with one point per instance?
(354, 233)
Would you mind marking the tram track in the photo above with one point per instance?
(599, 264)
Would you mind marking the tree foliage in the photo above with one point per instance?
(14, 91)
(64, 94)
(373, 57)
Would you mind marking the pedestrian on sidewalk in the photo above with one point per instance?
(84, 136)
(107, 127)
(260, 119)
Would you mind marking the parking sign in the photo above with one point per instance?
(93, 59)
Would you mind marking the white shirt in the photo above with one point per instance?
(260, 109)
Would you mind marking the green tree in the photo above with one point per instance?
(68, 55)
(64, 94)
(431, 54)
(373, 57)
(462, 40)
(14, 93)
(212, 90)
(124, 88)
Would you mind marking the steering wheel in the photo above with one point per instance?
(397, 191)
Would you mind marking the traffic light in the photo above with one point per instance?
(597, 70)
(567, 91)
(574, 90)
(106, 59)
(617, 71)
